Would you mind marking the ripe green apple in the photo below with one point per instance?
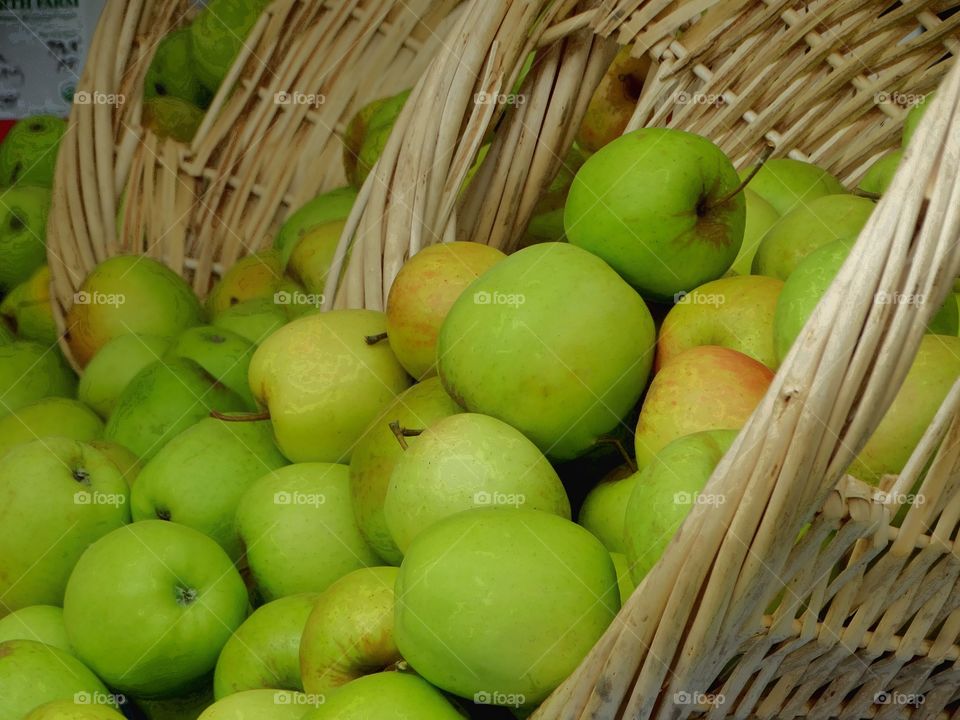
(163, 400)
(299, 531)
(585, 338)
(33, 674)
(217, 35)
(350, 632)
(28, 154)
(198, 478)
(115, 365)
(704, 388)
(72, 495)
(129, 294)
(386, 695)
(171, 71)
(323, 383)
(313, 254)
(323, 209)
(761, 216)
(255, 319)
(804, 229)
(654, 204)
(27, 309)
(367, 135)
(537, 584)
(223, 354)
(878, 178)
(665, 493)
(913, 118)
(786, 183)
(69, 710)
(603, 509)
(42, 623)
(261, 704)
(259, 275)
(625, 583)
(264, 652)
(933, 372)
(30, 372)
(546, 223)
(463, 462)
(47, 417)
(614, 101)
(174, 600)
(23, 232)
(377, 452)
(422, 294)
(171, 117)
(124, 460)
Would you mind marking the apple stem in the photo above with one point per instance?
(764, 156)
(249, 417)
(867, 194)
(401, 433)
(374, 339)
(627, 460)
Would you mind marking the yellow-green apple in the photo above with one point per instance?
(660, 206)
(422, 294)
(665, 493)
(913, 118)
(807, 227)
(72, 495)
(70, 710)
(625, 582)
(224, 355)
(128, 294)
(603, 509)
(28, 153)
(350, 632)
(367, 136)
(386, 695)
(614, 101)
(761, 216)
(324, 208)
(312, 256)
(48, 417)
(176, 599)
(198, 478)
(255, 319)
(259, 275)
(786, 183)
(23, 232)
(546, 223)
(704, 388)
(548, 590)
(262, 704)
(933, 372)
(879, 176)
(42, 623)
(463, 462)
(217, 35)
(377, 452)
(733, 312)
(171, 72)
(323, 383)
(29, 372)
(171, 117)
(163, 400)
(123, 459)
(299, 530)
(115, 365)
(553, 305)
(264, 652)
(33, 674)
(27, 309)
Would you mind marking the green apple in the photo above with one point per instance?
(299, 531)
(255, 319)
(787, 184)
(27, 309)
(223, 354)
(70, 710)
(182, 707)
(174, 600)
(656, 205)
(50, 416)
(463, 462)
(323, 209)
(261, 704)
(33, 674)
(603, 509)
(323, 383)
(377, 452)
(217, 35)
(350, 632)
(386, 695)
(614, 101)
(129, 294)
(704, 388)
(259, 275)
(72, 495)
(171, 117)
(367, 135)
(23, 232)
(584, 364)
(42, 623)
(313, 254)
(878, 178)
(536, 583)
(804, 229)
(198, 477)
(124, 460)
(625, 582)
(6, 335)
(665, 493)
(163, 400)
(422, 294)
(761, 216)
(171, 72)
(115, 365)
(30, 372)
(546, 224)
(264, 652)
(732, 312)
(913, 118)
(28, 154)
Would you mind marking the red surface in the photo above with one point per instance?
(5, 126)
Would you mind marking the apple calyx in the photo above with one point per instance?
(81, 475)
(401, 433)
(163, 514)
(374, 339)
(704, 207)
(185, 595)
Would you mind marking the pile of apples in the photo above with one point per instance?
(244, 508)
